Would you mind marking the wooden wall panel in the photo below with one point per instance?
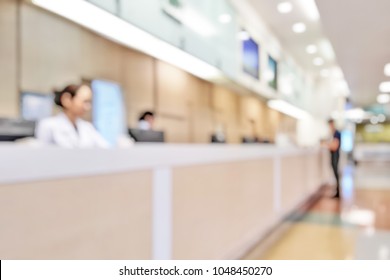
(56, 52)
(176, 129)
(173, 86)
(253, 119)
(200, 112)
(8, 58)
(138, 84)
(226, 112)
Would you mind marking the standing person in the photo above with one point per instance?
(146, 121)
(334, 148)
(67, 129)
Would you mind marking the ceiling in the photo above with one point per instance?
(359, 35)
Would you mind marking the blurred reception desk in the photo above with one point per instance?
(149, 202)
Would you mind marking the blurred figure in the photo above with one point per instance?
(334, 148)
(67, 129)
(218, 136)
(146, 121)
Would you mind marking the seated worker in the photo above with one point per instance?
(67, 129)
(146, 121)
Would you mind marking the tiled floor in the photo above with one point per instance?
(355, 227)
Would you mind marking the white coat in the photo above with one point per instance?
(59, 130)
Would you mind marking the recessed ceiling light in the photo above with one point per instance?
(225, 18)
(285, 7)
(324, 73)
(318, 61)
(383, 98)
(384, 87)
(387, 69)
(311, 49)
(299, 27)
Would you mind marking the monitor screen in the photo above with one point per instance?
(108, 111)
(35, 106)
(273, 70)
(141, 135)
(250, 58)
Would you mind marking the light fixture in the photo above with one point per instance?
(309, 7)
(225, 18)
(384, 87)
(311, 49)
(387, 69)
(285, 7)
(299, 27)
(288, 109)
(122, 32)
(383, 98)
(318, 61)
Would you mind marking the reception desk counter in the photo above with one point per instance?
(150, 201)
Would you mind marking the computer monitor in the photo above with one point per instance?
(14, 129)
(141, 135)
(250, 140)
(35, 106)
(218, 140)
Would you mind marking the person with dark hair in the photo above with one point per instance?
(67, 129)
(334, 148)
(146, 121)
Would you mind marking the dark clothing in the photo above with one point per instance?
(337, 135)
(335, 155)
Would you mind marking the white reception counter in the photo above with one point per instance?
(149, 201)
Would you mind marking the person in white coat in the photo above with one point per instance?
(67, 129)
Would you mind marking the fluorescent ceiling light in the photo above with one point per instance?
(122, 32)
(288, 109)
(387, 69)
(299, 27)
(383, 98)
(318, 61)
(311, 49)
(309, 7)
(225, 18)
(384, 87)
(285, 7)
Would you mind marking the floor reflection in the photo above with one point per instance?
(355, 227)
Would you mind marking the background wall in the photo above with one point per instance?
(53, 52)
(8, 58)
